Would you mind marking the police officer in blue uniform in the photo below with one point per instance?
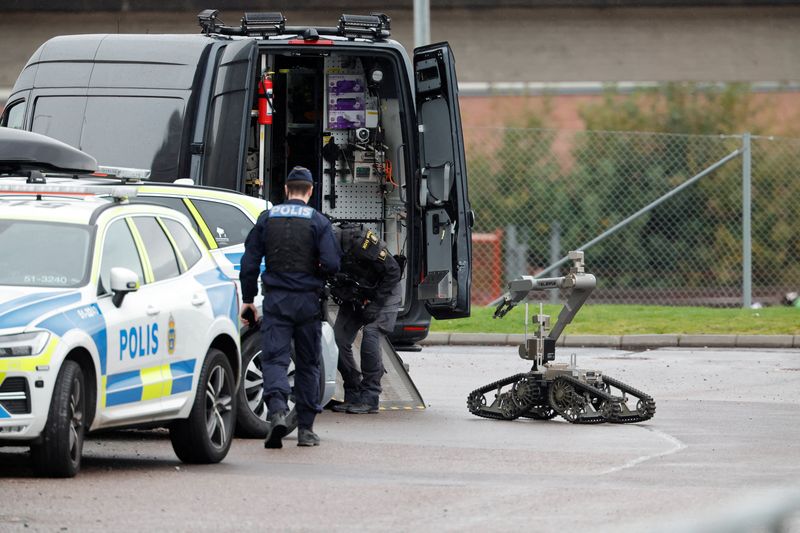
(300, 251)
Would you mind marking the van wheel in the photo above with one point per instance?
(205, 437)
(59, 453)
(252, 414)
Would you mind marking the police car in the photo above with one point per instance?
(112, 314)
(223, 219)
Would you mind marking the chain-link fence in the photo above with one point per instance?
(539, 193)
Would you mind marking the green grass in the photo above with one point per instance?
(636, 319)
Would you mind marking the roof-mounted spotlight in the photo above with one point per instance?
(273, 23)
(376, 26)
(208, 20)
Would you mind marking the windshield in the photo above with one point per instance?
(42, 254)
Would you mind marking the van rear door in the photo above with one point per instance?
(225, 146)
(447, 217)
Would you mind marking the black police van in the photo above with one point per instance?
(236, 107)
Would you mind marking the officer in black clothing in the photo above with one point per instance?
(300, 251)
(368, 292)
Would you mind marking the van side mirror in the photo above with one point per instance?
(123, 281)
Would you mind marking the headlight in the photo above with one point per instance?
(22, 344)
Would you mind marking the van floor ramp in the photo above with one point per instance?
(399, 392)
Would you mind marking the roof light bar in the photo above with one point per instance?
(266, 23)
(124, 173)
(376, 25)
(120, 193)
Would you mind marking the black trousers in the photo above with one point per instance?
(292, 316)
(364, 385)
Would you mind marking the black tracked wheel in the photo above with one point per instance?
(580, 403)
(540, 412)
(633, 405)
(502, 406)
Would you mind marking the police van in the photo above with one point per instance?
(237, 106)
(112, 314)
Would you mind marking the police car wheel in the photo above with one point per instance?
(205, 437)
(59, 453)
(251, 421)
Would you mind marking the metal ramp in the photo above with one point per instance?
(399, 392)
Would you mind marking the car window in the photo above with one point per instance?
(227, 223)
(119, 250)
(14, 117)
(159, 251)
(186, 245)
(173, 203)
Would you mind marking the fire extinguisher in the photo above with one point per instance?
(265, 99)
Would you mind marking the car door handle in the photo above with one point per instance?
(152, 310)
(198, 299)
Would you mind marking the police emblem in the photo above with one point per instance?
(171, 336)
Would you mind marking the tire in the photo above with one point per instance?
(205, 437)
(252, 413)
(59, 453)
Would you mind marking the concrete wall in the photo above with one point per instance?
(283, 5)
(514, 44)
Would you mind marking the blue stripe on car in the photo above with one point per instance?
(124, 396)
(221, 293)
(28, 298)
(212, 277)
(235, 259)
(123, 380)
(91, 322)
(22, 315)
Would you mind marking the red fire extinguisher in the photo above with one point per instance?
(265, 99)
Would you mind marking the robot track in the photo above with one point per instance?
(529, 396)
(644, 409)
(507, 404)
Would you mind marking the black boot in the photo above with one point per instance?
(341, 407)
(276, 430)
(307, 437)
(362, 408)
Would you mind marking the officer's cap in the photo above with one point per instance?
(300, 174)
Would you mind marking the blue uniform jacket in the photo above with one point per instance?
(254, 249)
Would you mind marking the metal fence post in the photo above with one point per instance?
(555, 253)
(747, 250)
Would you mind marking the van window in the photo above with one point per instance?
(159, 250)
(14, 117)
(60, 117)
(120, 131)
(143, 133)
(228, 224)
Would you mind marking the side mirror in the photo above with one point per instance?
(123, 281)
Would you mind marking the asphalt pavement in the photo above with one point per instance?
(725, 436)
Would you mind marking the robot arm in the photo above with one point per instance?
(581, 283)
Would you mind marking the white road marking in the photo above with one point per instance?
(677, 445)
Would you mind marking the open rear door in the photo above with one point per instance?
(447, 217)
(229, 115)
